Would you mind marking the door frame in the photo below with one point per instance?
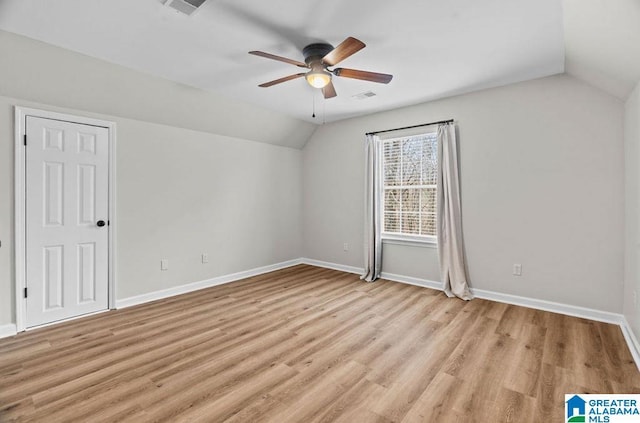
(20, 186)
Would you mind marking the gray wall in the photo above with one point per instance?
(632, 209)
(542, 185)
(182, 193)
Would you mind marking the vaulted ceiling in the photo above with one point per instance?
(434, 49)
(602, 39)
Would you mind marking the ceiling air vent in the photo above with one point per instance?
(364, 95)
(184, 6)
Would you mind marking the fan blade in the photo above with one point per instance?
(281, 80)
(278, 58)
(382, 78)
(329, 91)
(345, 49)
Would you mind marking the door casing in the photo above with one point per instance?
(21, 114)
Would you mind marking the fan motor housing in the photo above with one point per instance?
(315, 52)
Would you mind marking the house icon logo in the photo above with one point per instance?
(575, 407)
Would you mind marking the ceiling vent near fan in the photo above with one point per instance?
(184, 6)
(364, 95)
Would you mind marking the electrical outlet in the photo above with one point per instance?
(164, 264)
(517, 270)
(345, 246)
(205, 258)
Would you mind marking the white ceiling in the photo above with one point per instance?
(602, 41)
(433, 48)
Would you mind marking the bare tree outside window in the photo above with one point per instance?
(409, 182)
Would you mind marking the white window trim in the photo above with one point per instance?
(398, 238)
(410, 240)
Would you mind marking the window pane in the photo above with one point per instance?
(411, 223)
(411, 200)
(392, 222)
(411, 161)
(391, 151)
(392, 200)
(428, 200)
(410, 172)
(428, 224)
(430, 160)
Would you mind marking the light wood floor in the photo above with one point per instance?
(311, 345)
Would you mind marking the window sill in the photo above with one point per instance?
(386, 239)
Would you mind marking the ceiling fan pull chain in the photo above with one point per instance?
(324, 111)
(313, 115)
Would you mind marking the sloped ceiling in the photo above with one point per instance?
(433, 48)
(42, 73)
(602, 43)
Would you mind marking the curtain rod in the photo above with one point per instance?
(410, 127)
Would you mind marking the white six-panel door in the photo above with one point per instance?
(66, 203)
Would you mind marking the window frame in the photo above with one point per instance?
(395, 237)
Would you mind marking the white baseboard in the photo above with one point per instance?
(632, 341)
(195, 286)
(334, 266)
(570, 310)
(567, 309)
(8, 330)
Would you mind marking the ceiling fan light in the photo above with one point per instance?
(318, 78)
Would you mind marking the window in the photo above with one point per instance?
(410, 174)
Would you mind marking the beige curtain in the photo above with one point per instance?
(372, 207)
(450, 246)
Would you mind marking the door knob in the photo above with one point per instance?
(100, 223)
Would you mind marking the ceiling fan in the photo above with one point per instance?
(318, 57)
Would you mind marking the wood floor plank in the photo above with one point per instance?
(303, 406)
(307, 344)
(524, 367)
(362, 396)
(483, 382)
(514, 407)
(436, 402)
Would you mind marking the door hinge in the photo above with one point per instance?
(25, 292)
(108, 223)
(25, 139)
